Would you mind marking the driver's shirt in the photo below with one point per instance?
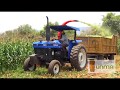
(65, 39)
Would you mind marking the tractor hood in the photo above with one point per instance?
(47, 44)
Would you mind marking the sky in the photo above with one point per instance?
(12, 20)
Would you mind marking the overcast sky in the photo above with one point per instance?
(11, 20)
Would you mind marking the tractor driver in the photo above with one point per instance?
(64, 40)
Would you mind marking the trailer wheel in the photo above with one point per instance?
(28, 66)
(111, 57)
(54, 67)
(100, 57)
(78, 57)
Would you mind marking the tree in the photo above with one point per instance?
(25, 29)
(112, 22)
(9, 33)
(42, 33)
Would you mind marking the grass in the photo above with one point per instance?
(41, 72)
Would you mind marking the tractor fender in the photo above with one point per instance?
(34, 59)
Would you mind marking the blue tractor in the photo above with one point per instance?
(50, 53)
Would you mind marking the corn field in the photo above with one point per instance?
(13, 54)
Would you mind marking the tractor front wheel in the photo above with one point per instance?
(28, 66)
(54, 67)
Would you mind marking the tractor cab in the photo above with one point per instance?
(71, 42)
(43, 46)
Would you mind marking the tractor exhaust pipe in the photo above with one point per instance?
(47, 30)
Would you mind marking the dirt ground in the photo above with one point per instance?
(64, 73)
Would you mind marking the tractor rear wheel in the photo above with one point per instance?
(78, 57)
(54, 67)
(28, 66)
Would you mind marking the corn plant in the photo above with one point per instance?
(13, 54)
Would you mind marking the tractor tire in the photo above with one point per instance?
(78, 57)
(100, 57)
(111, 57)
(54, 67)
(27, 66)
